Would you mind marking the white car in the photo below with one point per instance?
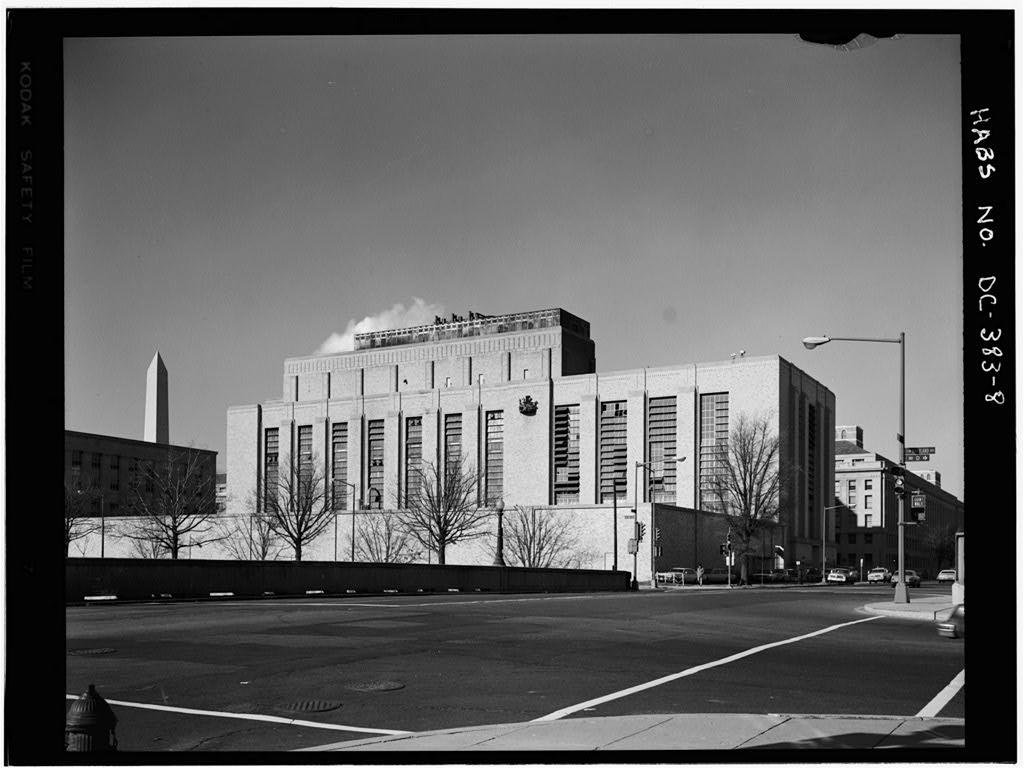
(840, 575)
(947, 575)
(879, 574)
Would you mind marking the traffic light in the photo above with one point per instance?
(657, 535)
(721, 549)
(642, 529)
(728, 541)
(898, 485)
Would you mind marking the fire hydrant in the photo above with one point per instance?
(90, 725)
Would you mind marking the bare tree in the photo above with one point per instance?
(77, 524)
(540, 539)
(939, 542)
(298, 508)
(440, 509)
(746, 483)
(174, 504)
(383, 539)
(250, 537)
(142, 548)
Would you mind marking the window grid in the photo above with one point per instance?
(494, 456)
(661, 447)
(566, 454)
(339, 464)
(714, 445)
(453, 442)
(413, 457)
(305, 454)
(375, 473)
(612, 440)
(270, 461)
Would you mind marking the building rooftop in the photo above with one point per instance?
(476, 324)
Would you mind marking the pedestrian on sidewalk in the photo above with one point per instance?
(700, 575)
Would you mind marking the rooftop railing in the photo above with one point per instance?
(478, 325)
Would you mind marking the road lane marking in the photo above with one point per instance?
(246, 717)
(691, 671)
(940, 700)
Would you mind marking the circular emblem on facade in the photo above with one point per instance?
(527, 406)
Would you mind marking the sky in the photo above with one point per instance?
(232, 202)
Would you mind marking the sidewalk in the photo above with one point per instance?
(705, 731)
(921, 609)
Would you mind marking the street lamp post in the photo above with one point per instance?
(636, 512)
(499, 551)
(353, 487)
(378, 500)
(900, 595)
(499, 556)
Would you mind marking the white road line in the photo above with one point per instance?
(343, 603)
(691, 671)
(246, 717)
(940, 700)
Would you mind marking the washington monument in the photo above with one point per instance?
(156, 402)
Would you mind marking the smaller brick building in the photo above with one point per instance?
(866, 523)
(108, 467)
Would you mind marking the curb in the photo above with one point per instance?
(928, 614)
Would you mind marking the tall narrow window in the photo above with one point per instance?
(714, 445)
(76, 470)
(612, 438)
(453, 443)
(661, 447)
(413, 457)
(305, 455)
(339, 464)
(566, 450)
(270, 466)
(115, 473)
(812, 453)
(494, 456)
(375, 476)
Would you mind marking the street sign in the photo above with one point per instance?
(919, 450)
(917, 501)
(916, 458)
(631, 547)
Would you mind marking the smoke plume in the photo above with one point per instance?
(398, 316)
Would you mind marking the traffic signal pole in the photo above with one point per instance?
(900, 594)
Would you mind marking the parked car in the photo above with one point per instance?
(719, 577)
(810, 574)
(841, 575)
(785, 575)
(952, 626)
(879, 574)
(763, 577)
(910, 577)
(947, 575)
(678, 575)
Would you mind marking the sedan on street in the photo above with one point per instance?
(879, 574)
(910, 577)
(947, 575)
(952, 626)
(841, 575)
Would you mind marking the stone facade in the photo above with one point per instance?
(487, 370)
(866, 524)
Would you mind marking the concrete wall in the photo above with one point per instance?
(135, 579)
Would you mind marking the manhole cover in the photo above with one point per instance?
(311, 706)
(85, 652)
(376, 686)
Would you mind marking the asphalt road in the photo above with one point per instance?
(407, 663)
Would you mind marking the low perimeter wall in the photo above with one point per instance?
(130, 578)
